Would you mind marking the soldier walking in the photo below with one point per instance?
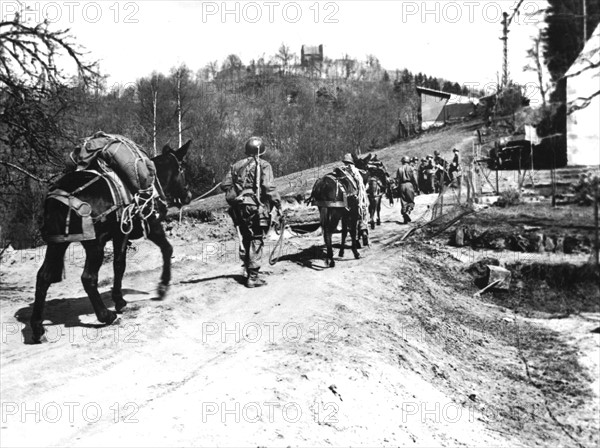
(455, 172)
(407, 185)
(250, 193)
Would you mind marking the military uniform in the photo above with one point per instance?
(440, 174)
(407, 184)
(250, 192)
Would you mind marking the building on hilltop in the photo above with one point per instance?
(311, 58)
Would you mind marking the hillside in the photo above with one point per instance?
(443, 140)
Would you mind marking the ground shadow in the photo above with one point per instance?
(314, 257)
(67, 312)
(238, 278)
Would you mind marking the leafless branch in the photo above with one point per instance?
(24, 171)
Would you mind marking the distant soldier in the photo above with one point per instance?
(250, 192)
(441, 171)
(421, 175)
(429, 174)
(407, 185)
(455, 172)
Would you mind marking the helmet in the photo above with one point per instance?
(405, 159)
(348, 159)
(254, 146)
(436, 153)
(455, 150)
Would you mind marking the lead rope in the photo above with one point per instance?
(279, 244)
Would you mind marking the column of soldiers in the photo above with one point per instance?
(250, 192)
(434, 172)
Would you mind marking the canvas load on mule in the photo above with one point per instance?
(119, 154)
(105, 163)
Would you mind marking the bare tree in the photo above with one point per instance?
(181, 84)
(535, 54)
(35, 94)
(285, 56)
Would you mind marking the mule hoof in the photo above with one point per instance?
(119, 305)
(372, 225)
(378, 222)
(331, 263)
(38, 331)
(341, 253)
(162, 290)
(356, 255)
(108, 318)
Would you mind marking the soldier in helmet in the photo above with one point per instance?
(407, 185)
(251, 193)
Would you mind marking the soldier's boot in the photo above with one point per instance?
(253, 280)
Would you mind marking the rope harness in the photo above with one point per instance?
(138, 208)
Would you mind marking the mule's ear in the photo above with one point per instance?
(181, 152)
(368, 158)
(166, 149)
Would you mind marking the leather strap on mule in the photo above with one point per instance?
(83, 209)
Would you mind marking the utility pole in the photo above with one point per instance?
(505, 50)
(506, 21)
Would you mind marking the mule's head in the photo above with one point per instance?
(171, 174)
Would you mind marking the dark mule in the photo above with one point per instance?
(374, 192)
(378, 184)
(336, 196)
(98, 195)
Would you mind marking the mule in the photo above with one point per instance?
(336, 196)
(170, 175)
(374, 193)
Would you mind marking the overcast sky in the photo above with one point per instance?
(458, 41)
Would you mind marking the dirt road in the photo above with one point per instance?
(387, 350)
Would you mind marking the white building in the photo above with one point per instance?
(583, 138)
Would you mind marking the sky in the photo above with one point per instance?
(458, 41)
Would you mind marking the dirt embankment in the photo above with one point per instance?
(387, 350)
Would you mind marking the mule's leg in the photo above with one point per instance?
(327, 230)
(372, 211)
(94, 255)
(353, 218)
(344, 234)
(158, 237)
(379, 210)
(119, 263)
(50, 272)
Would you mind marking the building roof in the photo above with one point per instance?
(311, 49)
(461, 99)
(432, 92)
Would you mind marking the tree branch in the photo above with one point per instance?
(585, 103)
(27, 173)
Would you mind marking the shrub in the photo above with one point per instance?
(509, 197)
